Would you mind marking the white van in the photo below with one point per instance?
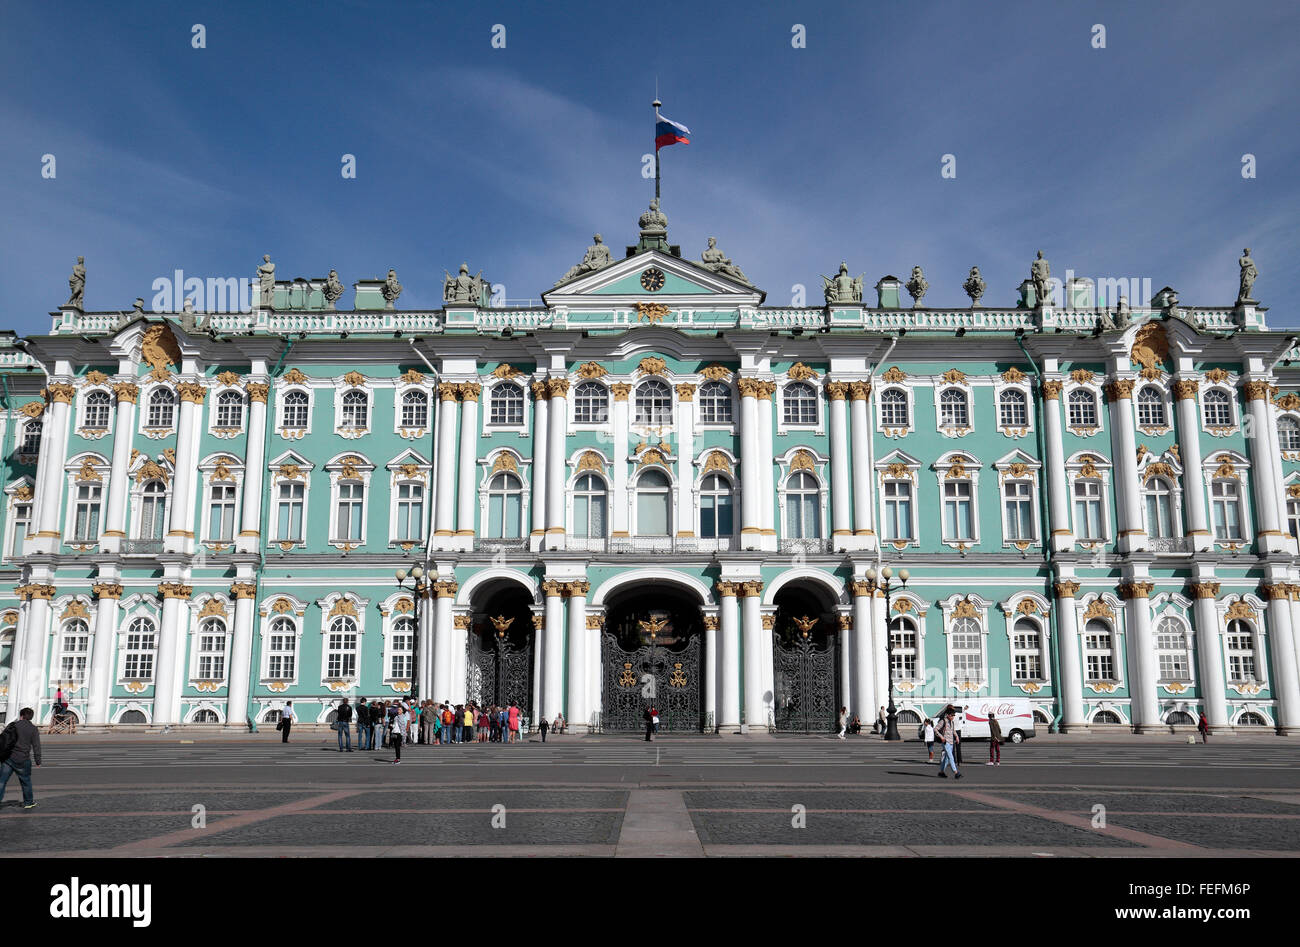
(1015, 715)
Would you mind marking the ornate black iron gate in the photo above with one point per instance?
(669, 679)
(500, 674)
(806, 677)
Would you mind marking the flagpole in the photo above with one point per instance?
(656, 103)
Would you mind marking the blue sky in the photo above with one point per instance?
(1117, 162)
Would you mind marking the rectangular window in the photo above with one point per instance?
(138, 662)
(341, 659)
(1099, 656)
(280, 658)
(22, 523)
(903, 667)
(967, 661)
(958, 512)
(221, 513)
(1226, 505)
(1171, 651)
(400, 659)
(1087, 510)
(86, 522)
(1018, 497)
(1292, 518)
(212, 657)
(351, 499)
(289, 512)
(1028, 664)
(1241, 659)
(72, 663)
(898, 510)
(410, 511)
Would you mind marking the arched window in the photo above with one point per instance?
(294, 410)
(653, 504)
(507, 404)
(355, 409)
(341, 650)
(1225, 507)
(230, 410)
(505, 506)
(1218, 408)
(204, 716)
(590, 403)
(800, 402)
(282, 650)
(717, 511)
(1172, 651)
(1026, 651)
(410, 512)
(132, 716)
(31, 442)
(162, 408)
(1089, 523)
(893, 408)
(415, 409)
(1179, 718)
(966, 645)
(1013, 408)
(908, 716)
(1098, 652)
(8, 635)
(1105, 716)
(153, 510)
(654, 403)
(898, 509)
(401, 646)
(1160, 508)
(954, 409)
(906, 649)
(212, 650)
(1082, 408)
(1288, 433)
(74, 651)
(715, 403)
(98, 408)
(1242, 659)
(590, 504)
(802, 507)
(1151, 407)
(137, 656)
(1251, 719)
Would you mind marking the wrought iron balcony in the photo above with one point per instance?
(142, 547)
(1172, 544)
(795, 546)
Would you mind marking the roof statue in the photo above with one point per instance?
(916, 286)
(716, 261)
(1248, 276)
(77, 283)
(1039, 271)
(391, 289)
(597, 256)
(463, 288)
(266, 281)
(332, 289)
(843, 288)
(974, 286)
(653, 221)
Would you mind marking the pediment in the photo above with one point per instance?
(686, 283)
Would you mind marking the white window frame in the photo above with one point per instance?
(215, 426)
(390, 633)
(326, 606)
(1175, 492)
(820, 490)
(208, 468)
(1288, 453)
(125, 649)
(954, 430)
(1234, 410)
(60, 651)
(1252, 630)
(917, 622)
(571, 514)
(885, 517)
(197, 654)
(635, 395)
(1041, 654)
(346, 392)
(489, 393)
(12, 519)
(273, 498)
(83, 428)
(634, 493)
(1074, 472)
(102, 468)
(146, 408)
(400, 481)
(410, 431)
(896, 430)
(943, 466)
(136, 525)
(334, 469)
(24, 437)
(1166, 407)
(268, 631)
(819, 411)
(1116, 658)
(700, 421)
(572, 399)
(1187, 651)
(281, 394)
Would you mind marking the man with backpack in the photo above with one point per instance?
(946, 733)
(20, 746)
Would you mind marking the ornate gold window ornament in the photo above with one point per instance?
(651, 312)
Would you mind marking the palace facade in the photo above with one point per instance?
(654, 488)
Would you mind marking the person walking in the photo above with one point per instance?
(363, 721)
(882, 722)
(543, 727)
(649, 725)
(343, 724)
(512, 720)
(995, 741)
(946, 732)
(19, 757)
(1203, 725)
(959, 718)
(286, 721)
(399, 725)
(928, 734)
(844, 721)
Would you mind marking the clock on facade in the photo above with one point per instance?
(653, 279)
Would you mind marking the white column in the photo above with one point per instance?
(556, 478)
(880, 642)
(863, 516)
(119, 479)
(428, 647)
(539, 636)
(751, 477)
(1209, 651)
(618, 457)
(241, 651)
(442, 645)
(766, 455)
(729, 667)
(845, 641)
(841, 514)
(711, 672)
(50, 474)
(595, 681)
(172, 633)
(27, 682)
(1268, 495)
(458, 635)
(864, 685)
(1144, 705)
(466, 513)
(541, 402)
(445, 482)
(685, 505)
(1128, 489)
(577, 709)
(755, 638)
(1282, 640)
(180, 518)
(552, 651)
(1058, 497)
(1069, 688)
(107, 592)
(250, 514)
(1189, 446)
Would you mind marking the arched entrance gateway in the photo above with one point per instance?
(499, 647)
(652, 653)
(806, 660)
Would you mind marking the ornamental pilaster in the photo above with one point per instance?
(243, 590)
(837, 390)
(1132, 590)
(1119, 388)
(126, 391)
(540, 392)
(192, 391)
(107, 589)
(859, 390)
(1067, 589)
(1185, 389)
(621, 390)
(752, 589)
(553, 589)
(686, 392)
(35, 590)
(470, 391)
(257, 391)
(175, 590)
(1052, 389)
(60, 392)
(1204, 589)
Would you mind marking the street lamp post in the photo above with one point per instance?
(416, 575)
(884, 580)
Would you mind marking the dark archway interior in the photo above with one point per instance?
(503, 611)
(796, 606)
(672, 614)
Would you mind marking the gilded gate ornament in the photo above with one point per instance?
(627, 678)
(677, 678)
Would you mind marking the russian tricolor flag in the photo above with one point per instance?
(670, 133)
